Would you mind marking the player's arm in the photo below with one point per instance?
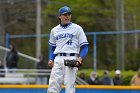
(83, 44)
(52, 44)
(83, 52)
(52, 56)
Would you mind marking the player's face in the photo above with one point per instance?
(65, 18)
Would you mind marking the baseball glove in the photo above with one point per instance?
(72, 63)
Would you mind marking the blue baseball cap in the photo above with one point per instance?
(64, 10)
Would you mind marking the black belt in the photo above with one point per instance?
(66, 54)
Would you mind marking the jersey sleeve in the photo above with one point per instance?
(84, 50)
(82, 37)
(52, 39)
(52, 56)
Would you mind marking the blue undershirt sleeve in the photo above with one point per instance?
(52, 56)
(84, 50)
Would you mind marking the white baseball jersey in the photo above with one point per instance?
(68, 39)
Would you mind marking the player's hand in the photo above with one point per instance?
(80, 60)
(50, 63)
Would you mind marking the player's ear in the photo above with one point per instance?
(59, 18)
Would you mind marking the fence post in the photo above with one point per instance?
(94, 50)
(7, 40)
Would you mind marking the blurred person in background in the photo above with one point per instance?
(106, 80)
(2, 71)
(93, 80)
(135, 81)
(82, 76)
(41, 78)
(117, 79)
(12, 59)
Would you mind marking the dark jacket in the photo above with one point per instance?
(93, 82)
(117, 81)
(106, 81)
(12, 59)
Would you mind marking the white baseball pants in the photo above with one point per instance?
(61, 74)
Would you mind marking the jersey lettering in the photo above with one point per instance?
(64, 35)
(69, 42)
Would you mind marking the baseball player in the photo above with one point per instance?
(66, 40)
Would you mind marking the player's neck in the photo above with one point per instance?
(65, 25)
